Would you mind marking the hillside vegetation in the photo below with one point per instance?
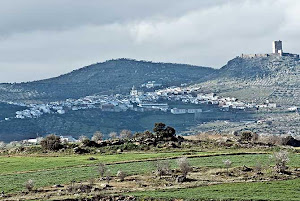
(110, 77)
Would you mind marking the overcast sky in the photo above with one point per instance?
(42, 39)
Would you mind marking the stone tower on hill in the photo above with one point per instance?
(277, 51)
(277, 47)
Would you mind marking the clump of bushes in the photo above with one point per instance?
(51, 142)
(248, 136)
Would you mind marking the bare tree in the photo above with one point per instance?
(184, 166)
(2, 145)
(108, 176)
(102, 169)
(227, 164)
(113, 135)
(162, 167)
(98, 136)
(281, 159)
(83, 138)
(29, 185)
(125, 134)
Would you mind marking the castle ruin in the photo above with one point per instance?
(277, 47)
(277, 51)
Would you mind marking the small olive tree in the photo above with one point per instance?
(281, 159)
(113, 135)
(2, 145)
(126, 134)
(98, 136)
(108, 176)
(83, 138)
(227, 164)
(162, 167)
(102, 169)
(184, 166)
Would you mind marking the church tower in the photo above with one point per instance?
(277, 47)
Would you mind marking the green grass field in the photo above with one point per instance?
(14, 164)
(44, 171)
(276, 190)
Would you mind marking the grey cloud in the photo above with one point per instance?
(31, 15)
(46, 39)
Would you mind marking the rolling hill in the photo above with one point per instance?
(110, 77)
(274, 78)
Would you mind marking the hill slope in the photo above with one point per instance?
(256, 79)
(114, 76)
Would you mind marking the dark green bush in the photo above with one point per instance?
(51, 142)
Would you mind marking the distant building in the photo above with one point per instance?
(152, 84)
(184, 111)
(160, 106)
(136, 92)
(178, 111)
(193, 111)
(68, 138)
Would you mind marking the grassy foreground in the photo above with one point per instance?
(44, 171)
(275, 190)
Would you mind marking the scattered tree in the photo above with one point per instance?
(82, 138)
(13, 144)
(98, 136)
(108, 177)
(148, 134)
(102, 169)
(227, 164)
(121, 175)
(162, 167)
(113, 135)
(184, 166)
(125, 134)
(29, 185)
(162, 131)
(246, 136)
(281, 159)
(51, 142)
(2, 145)
(258, 166)
(159, 127)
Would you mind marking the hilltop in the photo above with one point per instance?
(271, 77)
